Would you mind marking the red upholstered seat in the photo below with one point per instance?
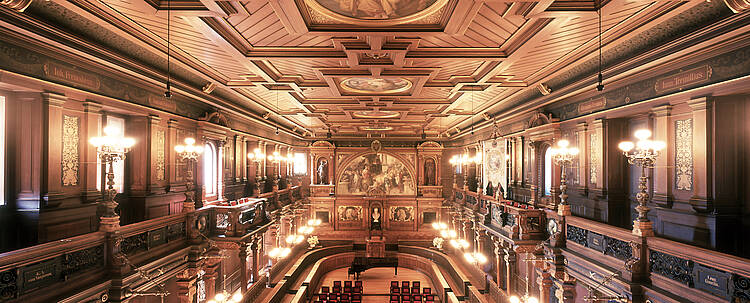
(394, 284)
(347, 283)
(404, 284)
(358, 283)
(426, 291)
(325, 289)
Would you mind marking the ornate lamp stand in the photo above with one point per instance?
(563, 156)
(189, 153)
(112, 147)
(642, 154)
(275, 158)
(257, 157)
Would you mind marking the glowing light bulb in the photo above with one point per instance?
(111, 130)
(626, 146)
(532, 300)
(220, 297)
(179, 148)
(643, 134)
(237, 297)
(189, 141)
(515, 299)
(574, 151)
(563, 143)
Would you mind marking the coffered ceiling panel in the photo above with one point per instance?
(372, 68)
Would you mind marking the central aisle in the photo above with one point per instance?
(376, 281)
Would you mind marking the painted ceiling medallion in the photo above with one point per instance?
(376, 12)
(375, 114)
(370, 85)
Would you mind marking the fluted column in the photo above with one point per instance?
(702, 179)
(54, 106)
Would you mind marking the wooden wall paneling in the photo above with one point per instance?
(703, 129)
(616, 173)
(728, 134)
(137, 170)
(158, 155)
(173, 163)
(26, 151)
(662, 172)
(91, 126)
(54, 124)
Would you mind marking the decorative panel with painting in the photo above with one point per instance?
(376, 174)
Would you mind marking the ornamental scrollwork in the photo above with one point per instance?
(684, 154)
(577, 235)
(8, 284)
(741, 286)
(70, 151)
(672, 267)
(134, 243)
(617, 248)
(81, 260)
(222, 220)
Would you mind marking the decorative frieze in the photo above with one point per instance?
(176, 231)
(70, 155)
(672, 267)
(740, 285)
(222, 220)
(684, 154)
(160, 155)
(594, 160)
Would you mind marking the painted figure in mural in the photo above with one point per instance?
(376, 173)
(375, 223)
(429, 172)
(322, 171)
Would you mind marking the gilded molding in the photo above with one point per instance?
(70, 151)
(684, 154)
(737, 6)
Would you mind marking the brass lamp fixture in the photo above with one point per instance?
(111, 148)
(563, 156)
(257, 156)
(189, 153)
(642, 154)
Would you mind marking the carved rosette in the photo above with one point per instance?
(70, 161)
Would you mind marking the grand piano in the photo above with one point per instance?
(360, 264)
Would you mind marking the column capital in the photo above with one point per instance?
(172, 123)
(697, 104)
(54, 99)
(91, 107)
(662, 110)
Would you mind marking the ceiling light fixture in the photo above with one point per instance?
(168, 93)
(600, 87)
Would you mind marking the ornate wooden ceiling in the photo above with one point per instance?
(396, 67)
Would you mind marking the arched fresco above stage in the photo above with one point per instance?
(376, 173)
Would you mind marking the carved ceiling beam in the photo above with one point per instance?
(16, 5)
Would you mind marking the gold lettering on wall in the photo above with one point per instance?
(160, 167)
(683, 158)
(71, 75)
(682, 79)
(70, 151)
(591, 106)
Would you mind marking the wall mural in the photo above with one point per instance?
(494, 168)
(376, 9)
(350, 213)
(402, 213)
(376, 173)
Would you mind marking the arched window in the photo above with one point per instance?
(547, 172)
(210, 169)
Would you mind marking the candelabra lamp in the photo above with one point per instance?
(189, 153)
(563, 156)
(111, 148)
(275, 159)
(642, 154)
(257, 157)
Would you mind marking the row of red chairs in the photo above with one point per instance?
(412, 298)
(338, 298)
(346, 292)
(401, 292)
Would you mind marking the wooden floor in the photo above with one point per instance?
(376, 282)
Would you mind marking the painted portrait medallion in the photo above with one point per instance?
(376, 9)
(368, 85)
(402, 213)
(350, 213)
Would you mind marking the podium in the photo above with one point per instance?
(376, 247)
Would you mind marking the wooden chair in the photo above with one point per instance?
(404, 284)
(426, 291)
